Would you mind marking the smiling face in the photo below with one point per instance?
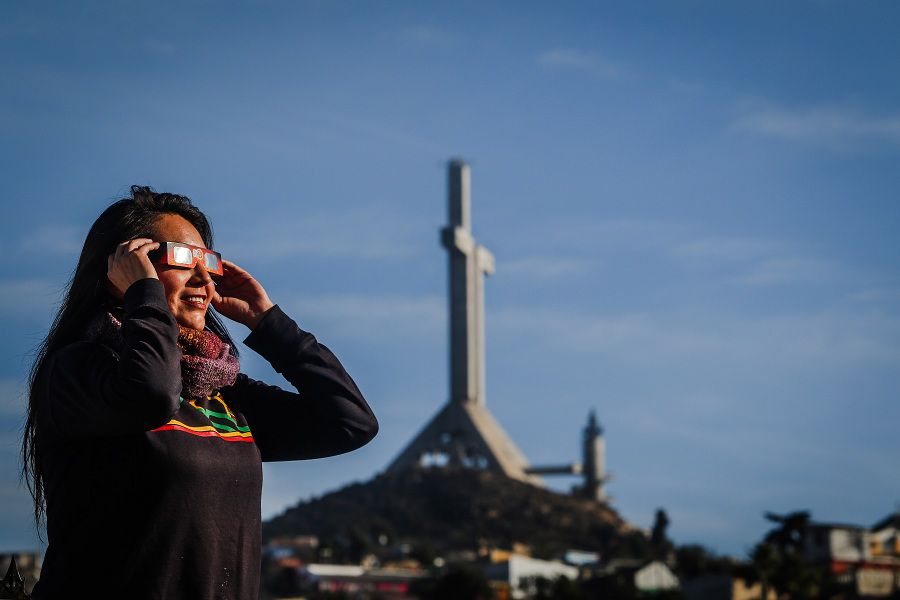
(188, 291)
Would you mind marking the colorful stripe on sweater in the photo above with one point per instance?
(230, 432)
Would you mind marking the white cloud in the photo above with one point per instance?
(357, 129)
(426, 35)
(13, 399)
(733, 260)
(356, 315)
(833, 127)
(758, 262)
(886, 295)
(160, 46)
(545, 268)
(726, 248)
(571, 59)
(788, 270)
(363, 233)
(29, 297)
(618, 234)
(54, 238)
(800, 341)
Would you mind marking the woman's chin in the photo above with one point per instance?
(192, 323)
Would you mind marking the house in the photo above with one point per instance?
(647, 577)
(867, 557)
(519, 573)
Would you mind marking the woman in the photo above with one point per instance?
(143, 442)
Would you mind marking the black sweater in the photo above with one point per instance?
(152, 496)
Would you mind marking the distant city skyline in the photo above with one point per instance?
(692, 207)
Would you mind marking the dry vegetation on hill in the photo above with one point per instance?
(444, 510)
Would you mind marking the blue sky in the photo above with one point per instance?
(692, 206)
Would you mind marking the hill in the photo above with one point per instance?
(436, 511)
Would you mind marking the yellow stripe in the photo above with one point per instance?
(218, 397)
(210, 428)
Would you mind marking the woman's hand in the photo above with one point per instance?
(240, 297)
(129, 263)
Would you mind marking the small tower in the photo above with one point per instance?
(594, 460)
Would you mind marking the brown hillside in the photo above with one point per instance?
(459, 510)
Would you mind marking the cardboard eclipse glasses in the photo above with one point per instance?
(178, 254)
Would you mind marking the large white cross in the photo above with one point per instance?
(469, 263)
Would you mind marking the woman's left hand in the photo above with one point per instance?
(239, 296)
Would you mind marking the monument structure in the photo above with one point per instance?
(463, 433)
(593, 465)
(594, 451)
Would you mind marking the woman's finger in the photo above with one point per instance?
(147, 247)
(231, 265)
(138, 243)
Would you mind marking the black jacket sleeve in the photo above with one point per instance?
(92, 391)
(328, 416)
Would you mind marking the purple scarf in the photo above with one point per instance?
(206, 364)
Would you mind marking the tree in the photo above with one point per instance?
(779, 563)
(560, 588)
(659, 542)
(694, 560)
(660, 523)
(791, 529)
(458, 582)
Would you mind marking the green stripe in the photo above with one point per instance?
(227, 428)
(212, 413)
(221, 427)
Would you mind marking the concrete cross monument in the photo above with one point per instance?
(463, 433)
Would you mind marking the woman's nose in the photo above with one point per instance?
(201, 272)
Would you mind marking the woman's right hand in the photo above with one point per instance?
(129, 263)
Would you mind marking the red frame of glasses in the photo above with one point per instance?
(166, 255)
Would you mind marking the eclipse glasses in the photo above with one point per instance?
(178, 254)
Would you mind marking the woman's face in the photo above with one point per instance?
(188, 291)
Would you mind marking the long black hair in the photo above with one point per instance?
(86, 293)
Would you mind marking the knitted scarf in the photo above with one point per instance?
(206, 363)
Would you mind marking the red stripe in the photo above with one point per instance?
(204, 433)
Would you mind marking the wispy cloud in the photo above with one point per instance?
(620, 234)
(788, 270)
(726, 248)
(160, 46)
(27, 26)
(381, 131)
(882, 295)
(572, 59)
(781, 342)
(359, 233)
(427, 35)
(54, 238)
(29, 297)
(374, 316)
(12, 397)
(834, 127)
(758, 262)
(738, 260)
(546, 268)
